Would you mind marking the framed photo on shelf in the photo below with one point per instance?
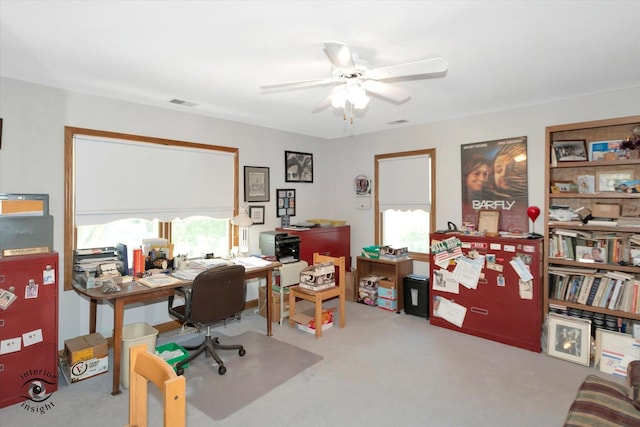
(586, 184)
(298, 167)
(565, 186)
(570, 151)
(607, 150)
(489, 221)
(256, 184)
(607, 181)
(286, 202)
(256, 213)
(569, 338)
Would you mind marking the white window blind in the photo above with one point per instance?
(404, 182)
(117, 179)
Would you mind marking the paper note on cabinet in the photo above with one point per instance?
(450, 311)
(521, 268)
(443, 281)
(467, 272)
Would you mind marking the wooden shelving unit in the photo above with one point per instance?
(602, 130)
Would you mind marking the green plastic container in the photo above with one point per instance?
(173, 347)
(372, 252)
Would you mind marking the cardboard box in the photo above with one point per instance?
(318, 276)
(86, 347)
(275, 304)
(307, 323)
(387, 289)
(351, 289)
(371, 282)
(85, 357)
(372, 252)
(85, 369)
(311, 330)
(368, 296)
(606, 210)
(388, 304)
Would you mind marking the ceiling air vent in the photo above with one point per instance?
(181, 102)
(398, 122)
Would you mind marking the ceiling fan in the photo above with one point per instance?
(353, 79)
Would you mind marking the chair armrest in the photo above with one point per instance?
(184, 293)
(633, 380)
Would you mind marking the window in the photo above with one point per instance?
(405, 209)
(123, 188)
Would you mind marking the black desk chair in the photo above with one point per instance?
(217, 294)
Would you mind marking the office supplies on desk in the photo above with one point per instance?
(158, 280)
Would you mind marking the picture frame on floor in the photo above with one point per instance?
(569, 338)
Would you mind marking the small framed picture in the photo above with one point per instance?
(565, 186)
(286, 202)
(586, 184)
(569, 338)
(256, 213)
(570, 151)
(607, 181)
(488, 221)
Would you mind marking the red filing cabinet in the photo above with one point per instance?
(29, 329)
(499, 308)
(331, 241)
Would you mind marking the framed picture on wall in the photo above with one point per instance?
(298, 167)
(256, 184)
(256, 213)
(286, 202)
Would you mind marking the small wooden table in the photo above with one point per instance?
(134, 292)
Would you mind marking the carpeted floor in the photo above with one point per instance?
(267, 364)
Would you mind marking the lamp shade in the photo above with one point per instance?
(242, 220)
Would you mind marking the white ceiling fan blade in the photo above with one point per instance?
(323, 105)
(340, 56)
(386, 91)
(425, 66)
(302, 83)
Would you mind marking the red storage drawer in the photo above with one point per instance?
(494, 311)
(29, 324)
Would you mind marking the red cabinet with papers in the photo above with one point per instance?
(502, 307)
(29, 330)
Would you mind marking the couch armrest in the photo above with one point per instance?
(633, 380)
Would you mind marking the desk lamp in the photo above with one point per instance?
(243, 222)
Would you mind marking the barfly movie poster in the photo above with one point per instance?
(494, 177)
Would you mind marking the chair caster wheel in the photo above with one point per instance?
(242, 352)
(180, 371)
(222, 370)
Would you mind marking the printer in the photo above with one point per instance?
(285, 247)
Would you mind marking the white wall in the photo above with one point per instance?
(32, 161)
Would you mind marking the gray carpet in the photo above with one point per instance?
(267, 364)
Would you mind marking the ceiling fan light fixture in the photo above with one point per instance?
(339, 97)
(357, 97)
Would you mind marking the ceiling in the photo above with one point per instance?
(216, 54)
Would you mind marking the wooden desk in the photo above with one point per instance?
(134, 293)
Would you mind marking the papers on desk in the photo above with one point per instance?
(251, 262)
(158, 280)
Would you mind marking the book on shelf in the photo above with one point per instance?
(629, 221)
(594, 290)
(602, 222)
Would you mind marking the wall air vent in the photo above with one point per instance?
(184, 103)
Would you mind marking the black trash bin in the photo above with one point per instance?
(416, 295)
